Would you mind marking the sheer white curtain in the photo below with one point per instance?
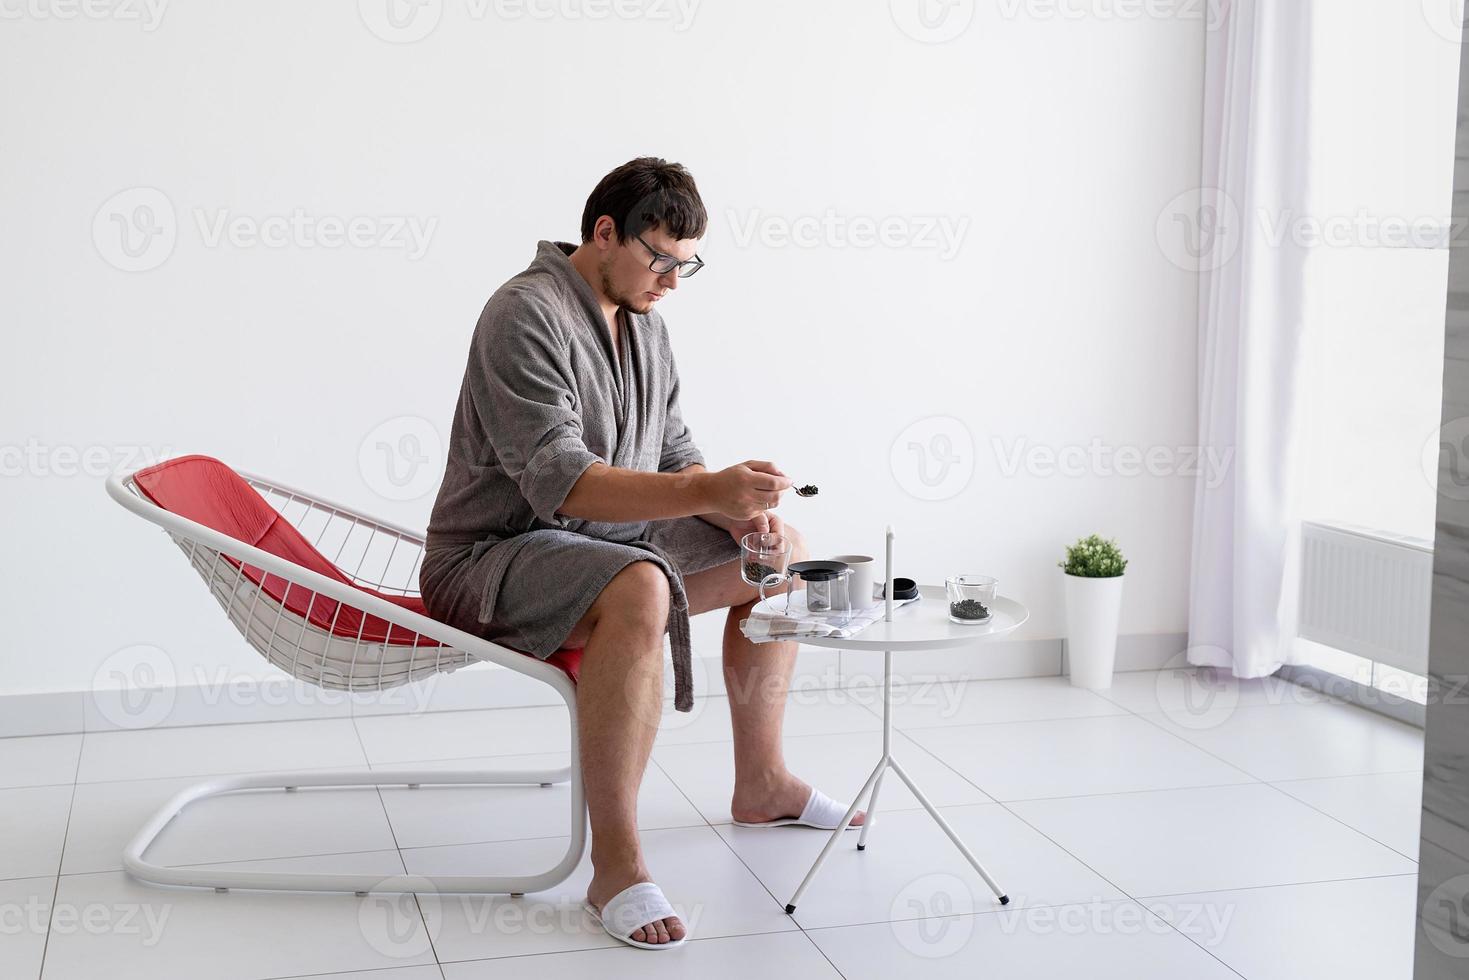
(1242, 601)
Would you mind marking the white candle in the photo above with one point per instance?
(887, 590)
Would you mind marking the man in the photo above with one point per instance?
(576, 512)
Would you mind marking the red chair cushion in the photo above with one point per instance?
(206, 491)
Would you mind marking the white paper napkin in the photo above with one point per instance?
(763, 626)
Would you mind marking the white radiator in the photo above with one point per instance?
(1367, 592)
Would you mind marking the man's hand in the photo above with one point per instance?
(761, 522)
(745, 491)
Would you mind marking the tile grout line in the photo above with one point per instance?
(1350, 775)
(720, 837)
(1135, 899)
(1127, 896)
(905, 733)
(403, 864)
(1329, 816)
(215, 864)
(1263, 781)
(821, 952)
(60, 863)
(619, 949)
(1284, 884)
(353, 715)
(1027, 823)
(680, 790)
(385, 970)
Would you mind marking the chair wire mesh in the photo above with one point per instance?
(315, 637)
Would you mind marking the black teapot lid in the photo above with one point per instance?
(818, 571)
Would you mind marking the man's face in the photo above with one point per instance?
(626, 278)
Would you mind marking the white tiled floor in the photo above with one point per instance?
(1168, 827)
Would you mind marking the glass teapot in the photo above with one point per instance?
(826, 582)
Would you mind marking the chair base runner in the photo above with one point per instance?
(206, 877)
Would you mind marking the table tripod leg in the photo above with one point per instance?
(944, 825)
(836, 834)
(871, 809)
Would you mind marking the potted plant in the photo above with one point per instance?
(1093, 568)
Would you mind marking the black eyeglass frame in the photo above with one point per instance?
(695, 263)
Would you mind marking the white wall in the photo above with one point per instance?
(1053, 141)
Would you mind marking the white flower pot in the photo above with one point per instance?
(1093, 606)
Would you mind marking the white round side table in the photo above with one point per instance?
(920, 625)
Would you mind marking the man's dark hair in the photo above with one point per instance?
(647, 193)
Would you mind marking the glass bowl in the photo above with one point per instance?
(971, 599)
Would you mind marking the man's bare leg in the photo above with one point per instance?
(757, 676)
(619, 700)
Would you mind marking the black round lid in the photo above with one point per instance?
(818, 571)
(904, 588)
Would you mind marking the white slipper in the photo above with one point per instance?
(633, 908)
(822, 812)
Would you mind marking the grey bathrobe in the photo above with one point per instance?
(544, 396)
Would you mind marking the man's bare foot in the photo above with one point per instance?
(775, 798)
(604, 887)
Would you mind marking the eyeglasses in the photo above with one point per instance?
(664, 264)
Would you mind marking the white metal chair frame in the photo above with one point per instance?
(311, 654)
